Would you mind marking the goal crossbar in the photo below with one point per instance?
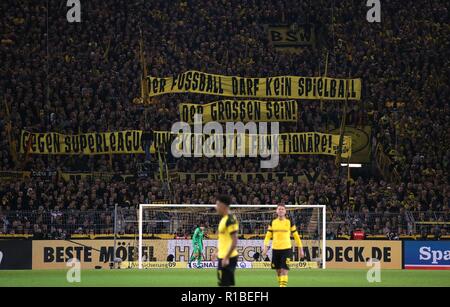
(143, 206)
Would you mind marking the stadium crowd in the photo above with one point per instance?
(84, 77)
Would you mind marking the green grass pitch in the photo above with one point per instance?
(207, 278)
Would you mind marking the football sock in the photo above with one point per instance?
(283, 280)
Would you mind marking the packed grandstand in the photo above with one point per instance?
(86, 77)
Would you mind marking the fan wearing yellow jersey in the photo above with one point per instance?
(226, 245)
(280, 231)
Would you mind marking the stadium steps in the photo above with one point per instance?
(313, 221)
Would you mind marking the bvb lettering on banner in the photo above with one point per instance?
(289, 87)
(241, 111)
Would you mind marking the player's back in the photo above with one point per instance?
(227, 226)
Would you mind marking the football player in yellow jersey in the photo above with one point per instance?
(226, 246)
(280, 231)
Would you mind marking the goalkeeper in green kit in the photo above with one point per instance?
(197, 245)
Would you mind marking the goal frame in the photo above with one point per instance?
(142, 206)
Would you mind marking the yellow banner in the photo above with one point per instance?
(313, 143)
(356, 254)
(129, 142)
(340, 254)
(241, 111)
(289, 87)
(299, 143)
(54, 254)
(96, 143)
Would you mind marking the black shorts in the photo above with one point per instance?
(281, 258)
(225, 275)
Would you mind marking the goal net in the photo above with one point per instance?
(165, 231)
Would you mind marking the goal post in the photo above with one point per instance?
(176, 222)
